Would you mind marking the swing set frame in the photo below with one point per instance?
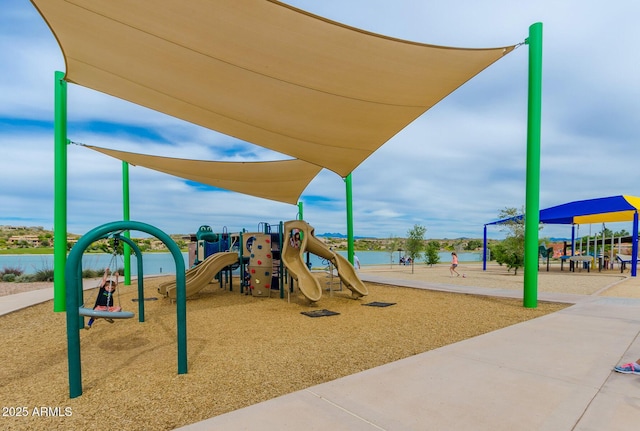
(74, 292)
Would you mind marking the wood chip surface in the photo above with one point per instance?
(241, 350)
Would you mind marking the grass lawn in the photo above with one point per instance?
(39, 250)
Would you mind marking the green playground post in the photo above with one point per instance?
(350, 252)
(60, 192)
(300, 215)
(126, 216)
(128, 242)
(532, 208)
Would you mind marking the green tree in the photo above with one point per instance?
(143, 244)
(511, 250)
(415, 243)
(473, 244)
(393, 244)
(432, 255)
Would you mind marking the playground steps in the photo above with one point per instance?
(331, 281)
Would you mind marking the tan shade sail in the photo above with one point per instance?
(260, 70)
(282, 181)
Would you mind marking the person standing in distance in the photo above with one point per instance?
(454, 264)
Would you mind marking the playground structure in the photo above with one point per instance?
(256, 254)
(300, 237)
(265, 258)
(210, 254)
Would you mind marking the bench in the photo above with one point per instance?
(587, 260)
(623, 259)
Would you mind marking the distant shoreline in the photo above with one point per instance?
(48, 251)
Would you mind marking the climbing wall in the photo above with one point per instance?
(260, 265)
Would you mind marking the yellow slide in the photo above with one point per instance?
(189, 274)
(204, 273)
(293, 259)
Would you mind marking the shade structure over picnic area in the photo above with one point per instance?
(621, 208)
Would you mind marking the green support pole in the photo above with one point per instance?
(60, 193)
(532, 209)
(350, 252)
(300, 213)
(126, 216)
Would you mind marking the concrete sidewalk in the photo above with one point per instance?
(550, 373)
(18, 301)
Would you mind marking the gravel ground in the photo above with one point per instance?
(11, 288)
(241, 350)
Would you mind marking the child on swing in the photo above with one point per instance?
(104, 301)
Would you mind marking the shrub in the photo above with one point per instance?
(24, 278)
(43, 275)
(12, 270)
(509, 252)
(431, 253)
(8, 277)
(91, 273)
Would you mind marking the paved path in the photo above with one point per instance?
(18, 301)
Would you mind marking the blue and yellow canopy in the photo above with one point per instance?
(600, 210)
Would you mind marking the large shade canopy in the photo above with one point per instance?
(260, 70)
(281, 181)
(621, 208)
(600, 210)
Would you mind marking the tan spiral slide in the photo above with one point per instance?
(293, 259)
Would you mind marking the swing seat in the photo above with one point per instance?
(89, 312)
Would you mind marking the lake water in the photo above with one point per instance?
(153, 263)
(162, 263)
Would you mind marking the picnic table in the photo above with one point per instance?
(586, 260)
(623, 259)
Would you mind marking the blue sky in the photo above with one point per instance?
(452, 170)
